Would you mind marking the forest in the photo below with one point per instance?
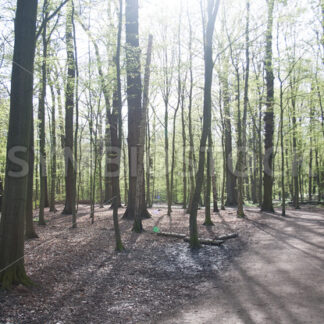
(154, 150)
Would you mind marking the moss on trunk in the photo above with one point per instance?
(14, 275)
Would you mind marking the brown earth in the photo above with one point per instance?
(272, 273)
(279, 278)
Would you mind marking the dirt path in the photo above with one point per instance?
(278, 279)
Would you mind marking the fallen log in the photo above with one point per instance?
(169, 234)
(226, 237)
(206, 241)
(216, 242)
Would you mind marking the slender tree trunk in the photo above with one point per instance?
(148, 162)
(53, 152)
(295, 168)
(60, 110)
(190, 128)
(210, 183)
(116, 132)
(310, 167)
(125, 174)
(154, 158)
(208, 221)
(322, 39)
(269, 116)
(231, 196)
(208, 58)
(246, 97)
(76, 128)
(108, 179)
(318, 175)
(30, 231)
(224, 175)
(184, 153)
(36, 180)
(260, 186)
(283, 191)
(41, 125)
(100, 154)
(166, 148)
(255, 167)
(140, 187)
(240, 153)
(173, 147)
(240, 157)
(214, 186)
(12, 224)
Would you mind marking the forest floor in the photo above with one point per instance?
(271, 273)
(279, 278)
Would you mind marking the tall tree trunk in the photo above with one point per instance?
(108, 179)
(322, 39)
(283, 190)
(269, 116)
(76, 128)
(116, 132)
(224, 174)
(212, 10)
(154, 158)
(246, 96)
(254, 167)
(148, 162)
(214, 184)
(100, 154)
(30, 231)
(41, 125)
(166, 149)
(125, 171)
(260, 159)
(295, 166)
(318, 175)
(184, 154)
(190, 128)
(310, 165)
(134, 99)
(231, 196)
(20, 121)
(140, 187)
(210, 183)
(180, 94)
(240, 149)
(69, 112)
(208, 221)
(240, 156)
(173, 144)
(60, 110)
(53, 152)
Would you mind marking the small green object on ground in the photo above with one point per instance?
(156, 229)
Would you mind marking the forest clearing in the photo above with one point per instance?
(161, 161)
